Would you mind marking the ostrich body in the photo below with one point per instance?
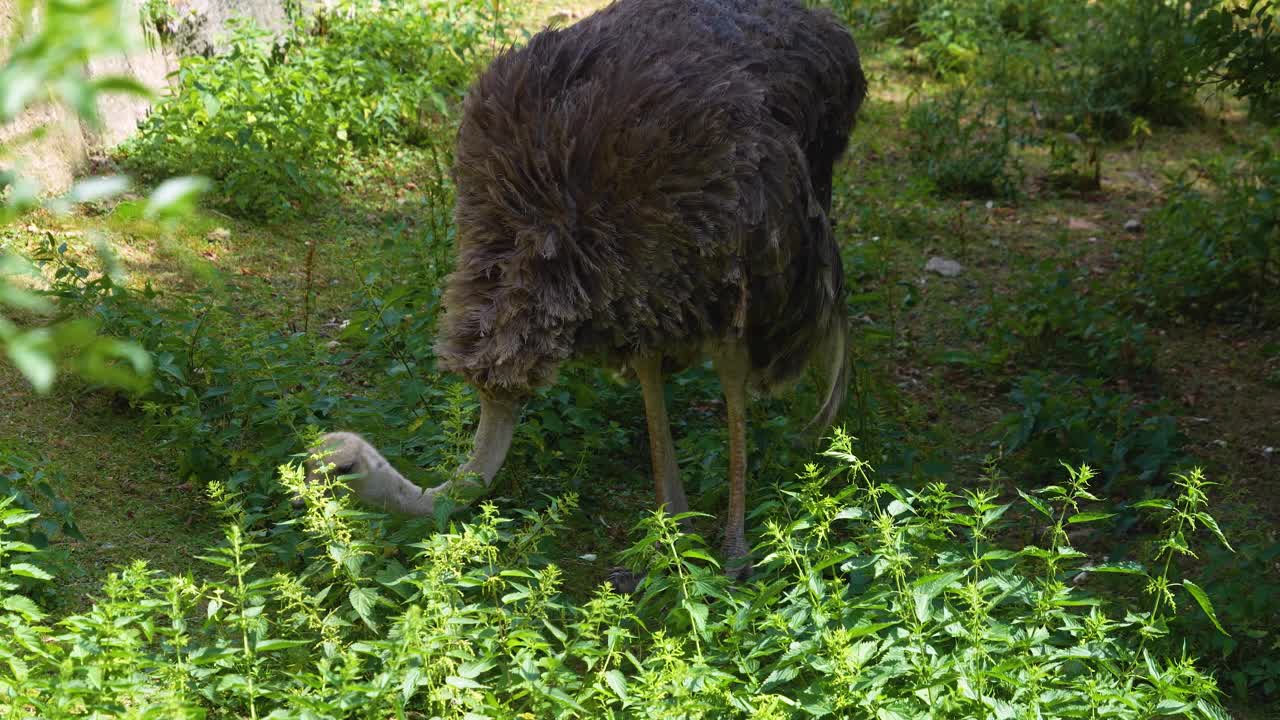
(648, 188)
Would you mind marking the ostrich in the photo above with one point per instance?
(648, 188)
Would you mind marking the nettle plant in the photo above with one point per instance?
(869, 600)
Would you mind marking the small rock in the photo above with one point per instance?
(1076, 223)
(217, 235)
(1133, 225)
(943, 266)
(333, 344)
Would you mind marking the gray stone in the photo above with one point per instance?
(1133, 225)
(201, 27)
(55, 160)
(943, 266)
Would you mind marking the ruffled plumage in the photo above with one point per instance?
(653, 179)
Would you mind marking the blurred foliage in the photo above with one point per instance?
(51, 47)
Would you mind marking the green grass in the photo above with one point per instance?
(931, 397)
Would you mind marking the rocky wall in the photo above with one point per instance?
(56, 159)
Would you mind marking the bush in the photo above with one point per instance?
(31, 486)
(959, 151)
(1055, 320)
(271, 119)
(1060, 417)
(1125, 60)
(1216, 249)
(869, 600)
(48, 47)
(1247, 583)
(1237, 46)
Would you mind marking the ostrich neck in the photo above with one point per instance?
(388, 490)
(493, 439)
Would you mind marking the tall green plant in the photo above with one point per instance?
(869, 599)
(271, 119)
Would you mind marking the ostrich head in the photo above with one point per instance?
(365, 473)
(347, 456)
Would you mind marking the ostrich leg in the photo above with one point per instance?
(662, 451)
(732, 366)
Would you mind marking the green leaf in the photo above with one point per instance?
(18, 87)
(22, 605)
(18, 518)
(1085, 517)
(207, 655)
(1123, 567)
(475, 668)
(29, 570)
(363, 600)
(1202, 598)
(1208, 521)
(174, 196)
(122, 84)
(617, 682)
(269, 645)
(29, 351)
(1169, 706)
(929, 587)
(1037, 504)
(700, 554)
(861, 630)
(698, 613)
(991, 555)
(98, 188)
(463, 683)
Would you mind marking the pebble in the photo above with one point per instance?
(943, 266)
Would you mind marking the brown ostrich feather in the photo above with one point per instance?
(654, 180)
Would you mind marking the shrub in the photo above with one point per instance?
(1247, 583)
(1237, 46)
(1081, 421)
(959, 151)
(1124, 60)
(1056, 320)
(271, 119)
(869, 600)
(1216, 249)
(48, 47)
(32, 486)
